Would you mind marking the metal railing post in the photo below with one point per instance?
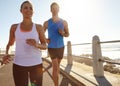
(69, 53)
(96, 52)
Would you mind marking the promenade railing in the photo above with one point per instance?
(96, 52)
(98, 60)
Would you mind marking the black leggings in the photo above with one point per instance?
(22, 74)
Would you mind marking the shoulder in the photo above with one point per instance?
(64, 22)
(45, 23)
(38, 27)
(14, 27)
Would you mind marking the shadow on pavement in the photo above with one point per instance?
(66, 82)
(102, 81)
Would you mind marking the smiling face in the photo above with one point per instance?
(27, 9)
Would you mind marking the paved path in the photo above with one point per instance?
(71, 75)
(84, 74)
(6, 78)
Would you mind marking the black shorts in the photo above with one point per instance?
(56, 52)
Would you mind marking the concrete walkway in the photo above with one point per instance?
(84, 74)
(6, 78)
(71, 75)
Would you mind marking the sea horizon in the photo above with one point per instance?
(111, 50)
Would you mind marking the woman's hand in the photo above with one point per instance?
(31, 42)
(48, 41)
(6, 59)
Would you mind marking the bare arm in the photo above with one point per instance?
(64, 32)
(11, 41)
(45, 25)
(11, 37)
(42, 45)
(41, 37)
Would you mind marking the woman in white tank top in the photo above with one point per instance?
(29, 38)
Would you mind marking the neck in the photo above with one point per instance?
(55, 18)
(27, 21)
(55, 15)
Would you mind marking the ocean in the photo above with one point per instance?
(110, 50)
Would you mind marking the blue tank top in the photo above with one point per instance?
(56, 40)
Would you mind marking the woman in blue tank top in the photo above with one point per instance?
(57, 29)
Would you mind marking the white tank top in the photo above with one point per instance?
(26, 55)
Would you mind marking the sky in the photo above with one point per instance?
(86, 18)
